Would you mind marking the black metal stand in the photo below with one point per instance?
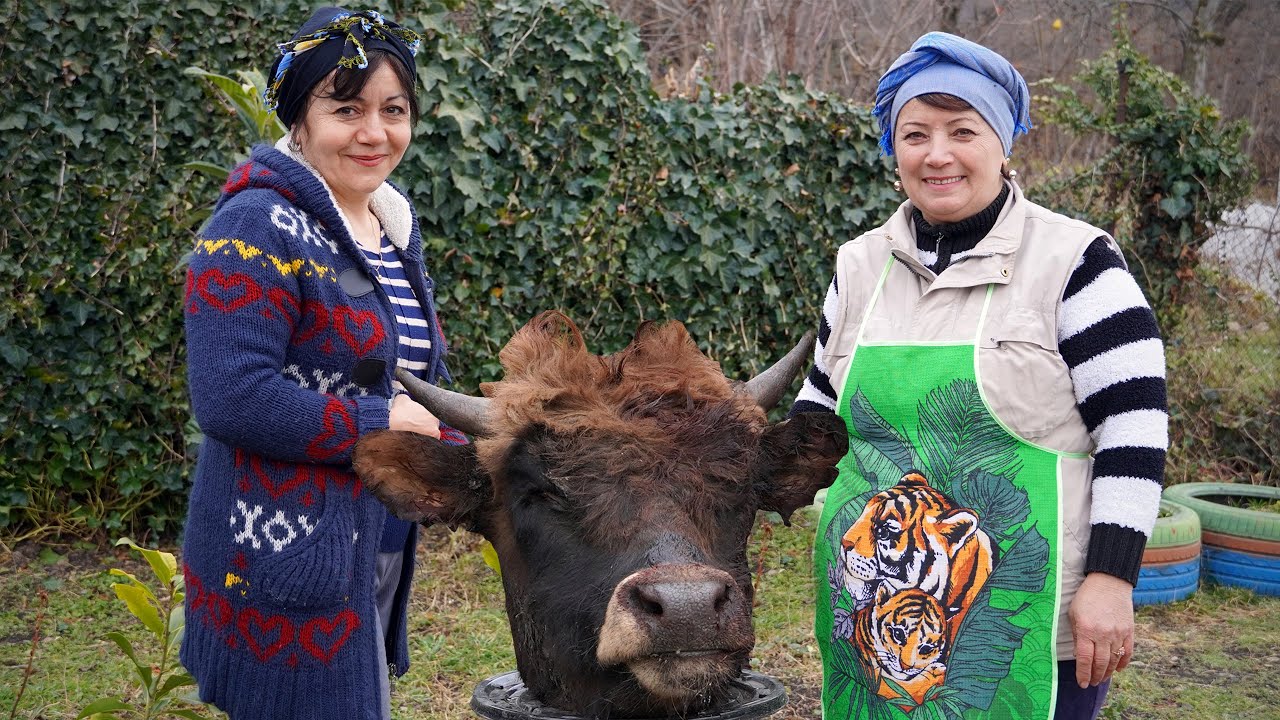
(504, 697)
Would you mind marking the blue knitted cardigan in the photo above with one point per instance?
(291, 347)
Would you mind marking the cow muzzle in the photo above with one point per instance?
(682, 630)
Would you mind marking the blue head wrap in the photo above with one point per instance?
(942, 63)
(333, 37)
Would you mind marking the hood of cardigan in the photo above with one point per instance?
(289, 174)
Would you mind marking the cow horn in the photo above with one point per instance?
(464, 412)
(769, 386)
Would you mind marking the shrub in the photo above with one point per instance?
(547, 174)
(159, 607)
(1175, 166)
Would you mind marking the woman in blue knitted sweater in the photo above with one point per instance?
(305, 292)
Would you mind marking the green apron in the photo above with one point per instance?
(937, 555)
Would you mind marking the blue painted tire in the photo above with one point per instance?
(1259, 573)
(1166, 582)
(1161, 597)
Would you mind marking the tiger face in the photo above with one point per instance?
(903, 635)
(913, 536)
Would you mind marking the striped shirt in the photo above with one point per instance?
(411, 323)
(413, 345)
(1108, 338)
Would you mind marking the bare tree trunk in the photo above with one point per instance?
(1207, 27)
(789, 37)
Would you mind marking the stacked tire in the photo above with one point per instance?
(1171, 563)
(1240, 545)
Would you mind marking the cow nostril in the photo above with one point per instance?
(648, 599)
(722, 597)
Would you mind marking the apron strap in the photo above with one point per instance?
(982, 319)
(866, 314)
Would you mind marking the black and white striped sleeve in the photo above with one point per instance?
(1108, 337)
(817, 395)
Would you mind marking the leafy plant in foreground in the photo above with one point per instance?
(162, 614)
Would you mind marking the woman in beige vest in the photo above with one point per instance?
(1002, 379)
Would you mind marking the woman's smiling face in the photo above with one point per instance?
(356, 143)
(949, 161)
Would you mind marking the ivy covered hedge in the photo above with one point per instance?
(554, 177)
(546, 172)
(95, 120)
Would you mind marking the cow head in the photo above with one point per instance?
(619, 492)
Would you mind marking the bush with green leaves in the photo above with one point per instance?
(552, 176)
(546, 172)
(1174, 167)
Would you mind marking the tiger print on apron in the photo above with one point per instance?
(936, 560)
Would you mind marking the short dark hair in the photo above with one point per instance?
(348, 83)
(944, 101)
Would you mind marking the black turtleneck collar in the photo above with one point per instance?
(951, 239)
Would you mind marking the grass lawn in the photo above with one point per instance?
(1213, 656)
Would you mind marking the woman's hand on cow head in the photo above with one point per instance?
(797, 459)
(408, 415)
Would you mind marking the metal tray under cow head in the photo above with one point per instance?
(504, 697)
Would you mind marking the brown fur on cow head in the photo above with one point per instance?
(619, 492)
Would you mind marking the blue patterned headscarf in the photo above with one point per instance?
(333, 37)
(942, 63)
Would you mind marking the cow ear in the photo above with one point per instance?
(422, 479)
(798, 458)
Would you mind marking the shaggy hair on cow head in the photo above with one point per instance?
(643, 416)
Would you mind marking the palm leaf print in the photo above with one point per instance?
(1025, 565)
(987, 639)
(958, 436)
(1000, 504)
(984, 650)
(881, 435)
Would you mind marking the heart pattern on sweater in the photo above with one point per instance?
(285, 304)
(339, 432)
(190, 303)
(315, 319)
(329, 477)
(217, 610)
(263, 469)
(323, 637)
(195, 590)
(258, 632)
(360, 329)
(227, 293)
